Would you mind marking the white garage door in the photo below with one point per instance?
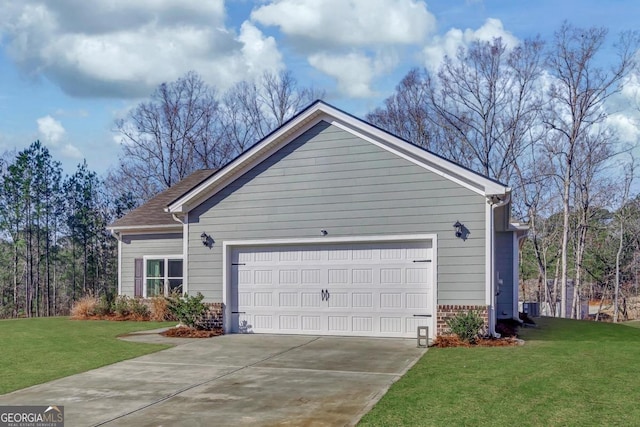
(372, 289)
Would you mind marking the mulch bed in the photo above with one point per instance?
(446, 341)
(113, 317)
(186, 332)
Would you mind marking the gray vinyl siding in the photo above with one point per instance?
(504, 270)
(140, 245)
(329, 179)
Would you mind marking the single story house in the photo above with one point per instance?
(329, 225)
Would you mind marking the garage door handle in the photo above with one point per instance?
(238, 312)
(421, 315)
(325, 294)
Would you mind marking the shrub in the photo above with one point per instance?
(104, 306)
(121, 306)
(84, 308)
(139, 309)
(188, 310)
(466, 326)
(160, 309)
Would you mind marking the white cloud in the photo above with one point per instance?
(124, 48)
(626, 126)
(70, 151)
(448, 45)
(350, 23)
(354, 72)
(259, 52)
(355, 42)
(50, 129)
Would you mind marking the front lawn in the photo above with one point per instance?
(569, 373)
(34, 351)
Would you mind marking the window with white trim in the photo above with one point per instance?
(163, 276)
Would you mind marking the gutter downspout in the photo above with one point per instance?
(492, 281)
(176, 218)
(118, 237)
(519, 239)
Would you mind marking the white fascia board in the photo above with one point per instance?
(329, 240)
(146, 229)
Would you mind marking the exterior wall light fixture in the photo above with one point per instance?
(206, 239)
(459, 229)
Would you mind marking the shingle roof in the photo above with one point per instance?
(152, 212)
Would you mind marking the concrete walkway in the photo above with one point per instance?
(232, 380)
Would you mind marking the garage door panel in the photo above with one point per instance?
(310, 277)
(338, 323)
(262, 277)
(362, 324)
(391, 325)
(288, 299)
(362, 300)
(311, 299)
(312, 323)
(417, 300)
(361, 289)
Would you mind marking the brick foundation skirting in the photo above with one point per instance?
(447, 311)
(215, 315)
(213, 318)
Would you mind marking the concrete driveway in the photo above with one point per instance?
(257, 380)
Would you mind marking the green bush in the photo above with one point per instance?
(139, 309)
(188, 310)
(121, 306)
(467, 326)
(104, 306)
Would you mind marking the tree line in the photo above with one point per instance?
(535, 116)
(532, 115)
(55, 247)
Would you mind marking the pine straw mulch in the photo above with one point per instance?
(113, 317)
(187, 332)
(446, 341)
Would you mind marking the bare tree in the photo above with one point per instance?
(487, 99)
(252, 109)
(578, 91)
(623, 216)
(170, 136)
(406, 113)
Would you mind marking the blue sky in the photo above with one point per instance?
(69, 68)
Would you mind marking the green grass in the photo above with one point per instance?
(38, 350)
(632, 323)
(569, 373)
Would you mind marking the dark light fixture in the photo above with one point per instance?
(205, 239)
(459, 229)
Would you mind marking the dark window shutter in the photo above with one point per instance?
(137, 274)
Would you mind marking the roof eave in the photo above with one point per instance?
(160, 228)
(318, 111)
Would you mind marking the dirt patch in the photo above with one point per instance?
(186, 332)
